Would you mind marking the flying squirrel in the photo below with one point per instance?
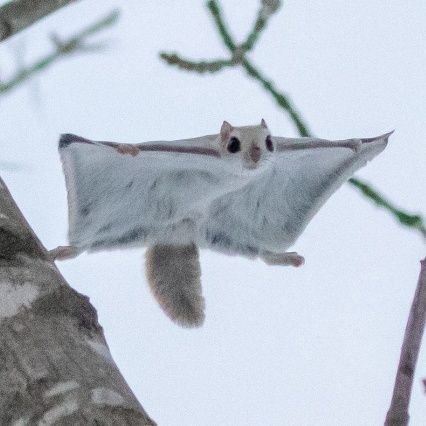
(242, 191)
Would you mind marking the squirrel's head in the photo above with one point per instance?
(252, 145)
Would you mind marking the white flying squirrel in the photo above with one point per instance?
(241, 191)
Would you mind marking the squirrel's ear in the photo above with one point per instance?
(263, 123)
(225, 131)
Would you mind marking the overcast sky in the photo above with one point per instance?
(318, 345)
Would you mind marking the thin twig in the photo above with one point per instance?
(282, 99)
(238, 57)
(17, 15)
(397, 414)
(200, 67)
(220, 24)
(411, 220)
(268, 8)
(62, 48)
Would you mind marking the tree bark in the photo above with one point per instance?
(20, 14)
(55, 365)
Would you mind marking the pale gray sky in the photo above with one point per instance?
(317, 345)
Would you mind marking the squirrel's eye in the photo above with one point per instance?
(234, 145)
(269, 144)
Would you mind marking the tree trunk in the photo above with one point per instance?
(55, 365)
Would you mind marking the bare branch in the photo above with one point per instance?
(414, 221)
(17, 15)
(56, 367)
(216, 13)
(267, 9)
(282, 99)
(398, 412)
(200, 67)
(75, 44)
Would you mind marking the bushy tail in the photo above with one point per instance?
(173, 274)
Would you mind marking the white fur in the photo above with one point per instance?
(218, 203)
(271, 212)
(173, 275)
(151, 192)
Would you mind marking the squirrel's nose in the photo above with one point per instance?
(255, 153)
